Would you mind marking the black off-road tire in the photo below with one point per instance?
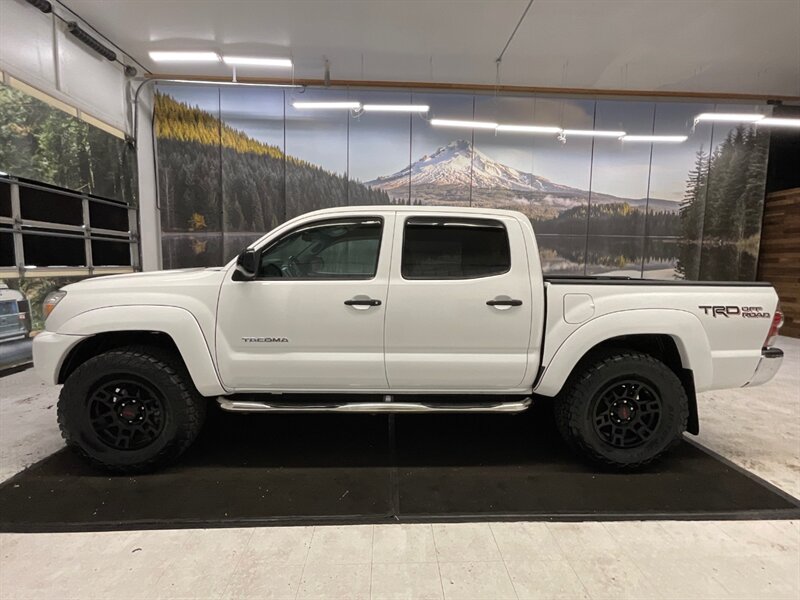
(184, 409)
(574, 408)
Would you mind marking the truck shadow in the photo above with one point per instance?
(363, 440)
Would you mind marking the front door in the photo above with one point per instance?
(313, 317)
(459, 311)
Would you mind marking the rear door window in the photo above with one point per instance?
(454, 248)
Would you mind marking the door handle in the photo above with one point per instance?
(504, 302)
(362, 302)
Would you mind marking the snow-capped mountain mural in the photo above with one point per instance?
(447, 174)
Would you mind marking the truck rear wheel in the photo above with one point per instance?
(623, 411)
(130, 410)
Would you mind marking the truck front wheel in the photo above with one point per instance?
(624, 410)
(130, 410)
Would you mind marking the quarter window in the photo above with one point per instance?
(332, 249)
(454, 248)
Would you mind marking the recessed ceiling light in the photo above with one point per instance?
(778, 122)
(655, 138)
(257, 61)
(594, 133)
(730, 117)
(529, 128)
(169, 56)
(469, 124)
(396, 107)
(324, 105)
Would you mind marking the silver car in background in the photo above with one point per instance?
(14, 315)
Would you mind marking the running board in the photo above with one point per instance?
(374, 407)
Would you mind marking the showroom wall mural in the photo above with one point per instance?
(43, 143)
(233, 162)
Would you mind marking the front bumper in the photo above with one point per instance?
(771, 359)
(49, 351)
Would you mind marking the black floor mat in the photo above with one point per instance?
(292, 469)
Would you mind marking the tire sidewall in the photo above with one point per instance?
(73, 407)
(672, 421)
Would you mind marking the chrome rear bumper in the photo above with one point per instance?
(771, 359)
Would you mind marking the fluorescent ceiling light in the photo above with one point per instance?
(470, 124)
(160, 56)
(324, 105)
(776, 122)
(594, 133)
(655, 138)
(730, 117)
(257, 61)
(236, 83)
(529, 128)
(397, 107)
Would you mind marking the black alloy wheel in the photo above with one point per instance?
(126, 413)
(131, 409)
(622, 409)
(627, 413)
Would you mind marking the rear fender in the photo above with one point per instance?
(683, 327)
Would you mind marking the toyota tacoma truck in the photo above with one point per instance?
(396, 309)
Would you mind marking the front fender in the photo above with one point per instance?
(683, 327)
(178, 323)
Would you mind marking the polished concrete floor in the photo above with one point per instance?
(757, 428)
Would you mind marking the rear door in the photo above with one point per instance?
(459, 308)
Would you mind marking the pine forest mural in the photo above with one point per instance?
(43, 143)
(233, 163)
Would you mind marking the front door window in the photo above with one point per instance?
(332, 249)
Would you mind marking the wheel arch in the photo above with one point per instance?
(674, 337)
(168, 328)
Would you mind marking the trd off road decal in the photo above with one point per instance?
(747, 312)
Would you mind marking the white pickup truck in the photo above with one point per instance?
(396, 309)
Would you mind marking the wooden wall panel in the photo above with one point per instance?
(779, 257)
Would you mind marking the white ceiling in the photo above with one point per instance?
(727, 46)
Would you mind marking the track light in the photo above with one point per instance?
(257, 61)
(729, 117)
(777, 122)
(593, 133)
(655, 138)
(529, 128)
(420, 108)
(326, 105)
(467, 124)
(42, 5)
(90, 41)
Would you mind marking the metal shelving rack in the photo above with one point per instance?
(20, 227)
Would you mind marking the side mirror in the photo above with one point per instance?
(246, 265)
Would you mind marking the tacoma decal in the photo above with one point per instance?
(747, 312)
(265, 340)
